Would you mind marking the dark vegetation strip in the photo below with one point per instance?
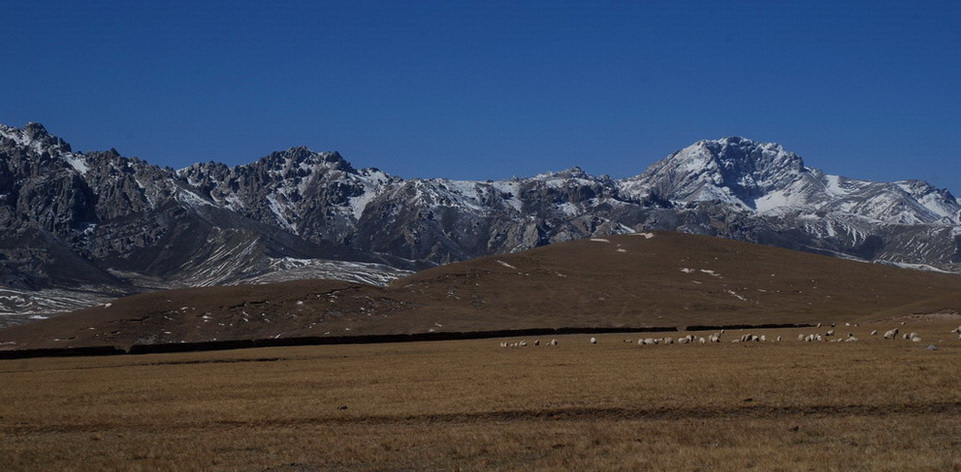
(312, 341)
(378, 338)
(944, 410)
(661, 413)
(63, 352)
(360, 339)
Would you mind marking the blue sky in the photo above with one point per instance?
(478, 90)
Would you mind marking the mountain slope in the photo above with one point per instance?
(103, 223)
(907, 222)
(652, 279)
(771, 181)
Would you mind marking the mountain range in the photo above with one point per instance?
(83, 227)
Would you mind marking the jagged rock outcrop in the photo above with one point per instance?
(101, 218)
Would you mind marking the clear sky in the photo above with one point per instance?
(492, 89)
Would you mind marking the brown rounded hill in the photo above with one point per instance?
(643, 280)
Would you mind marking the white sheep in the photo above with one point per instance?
(915, 338)
(891, 334)
(668, 340)
(683, 340)
(523, 343)
(874, 332)
(537, 342)
(956, 330)
(829, 333)
(701, 340)
(553, 342)
(593, 340)
(762, 339)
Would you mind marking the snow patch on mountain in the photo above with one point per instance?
(837, 186)
(508, 191)
(288, 268)
(77, 162)
(565, 178)
(191, 199)
(280, 213)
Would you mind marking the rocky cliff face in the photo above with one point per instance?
(103, 223)
(100, 219)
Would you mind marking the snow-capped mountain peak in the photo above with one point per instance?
(767, 180)
(302, 160)
(733, 170)
(35, 137)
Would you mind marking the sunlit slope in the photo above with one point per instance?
(665, 279)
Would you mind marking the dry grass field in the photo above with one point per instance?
(472, 405)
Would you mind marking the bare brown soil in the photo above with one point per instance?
(472, 405)
(633, 281)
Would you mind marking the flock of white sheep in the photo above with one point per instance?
(827, 336)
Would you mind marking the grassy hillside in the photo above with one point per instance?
(654, 279)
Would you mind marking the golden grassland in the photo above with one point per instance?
(472, 405)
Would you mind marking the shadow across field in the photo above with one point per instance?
(617, 414)
(548, 414)
(316, 341)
